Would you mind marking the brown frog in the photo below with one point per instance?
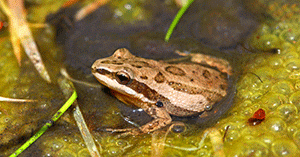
(162, 89)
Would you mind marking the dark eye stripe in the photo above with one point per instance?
(102, 71)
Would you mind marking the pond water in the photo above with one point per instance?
(264, 79)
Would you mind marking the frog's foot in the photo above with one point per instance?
(161, 119)
(117, 130)
(221, 64)
(125, 132)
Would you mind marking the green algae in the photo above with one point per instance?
(8, 75)
(41, 8)
(274, 88)
(279, 99)
(9, 67)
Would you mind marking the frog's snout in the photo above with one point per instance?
(94, 69)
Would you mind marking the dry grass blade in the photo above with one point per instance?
(64, 73)
(15, 41)
(180, 3)
(20, 31)
(67, 88)
(15, 100)
(86, 135)
(38, 25)
(157, 144)
(216, 141)
(69, 3)
(215, 138)
(89, 9)
(13, 36)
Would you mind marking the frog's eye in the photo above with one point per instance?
(123, 77)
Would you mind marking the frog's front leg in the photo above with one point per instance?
(221, 64)
(161, 119)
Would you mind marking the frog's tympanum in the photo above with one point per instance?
(162, 89)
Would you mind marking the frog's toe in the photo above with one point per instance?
(117, 130)
(131, 132)
(124, 132)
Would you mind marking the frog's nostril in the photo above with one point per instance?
(93, 69)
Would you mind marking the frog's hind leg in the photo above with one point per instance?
(221, 64)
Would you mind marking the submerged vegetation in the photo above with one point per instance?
(264, 119)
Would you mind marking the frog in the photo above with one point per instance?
(161, 88)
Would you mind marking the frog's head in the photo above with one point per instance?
(127, 75)
(113, 71)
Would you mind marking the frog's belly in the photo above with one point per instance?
(180, 112)
(184, 104)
